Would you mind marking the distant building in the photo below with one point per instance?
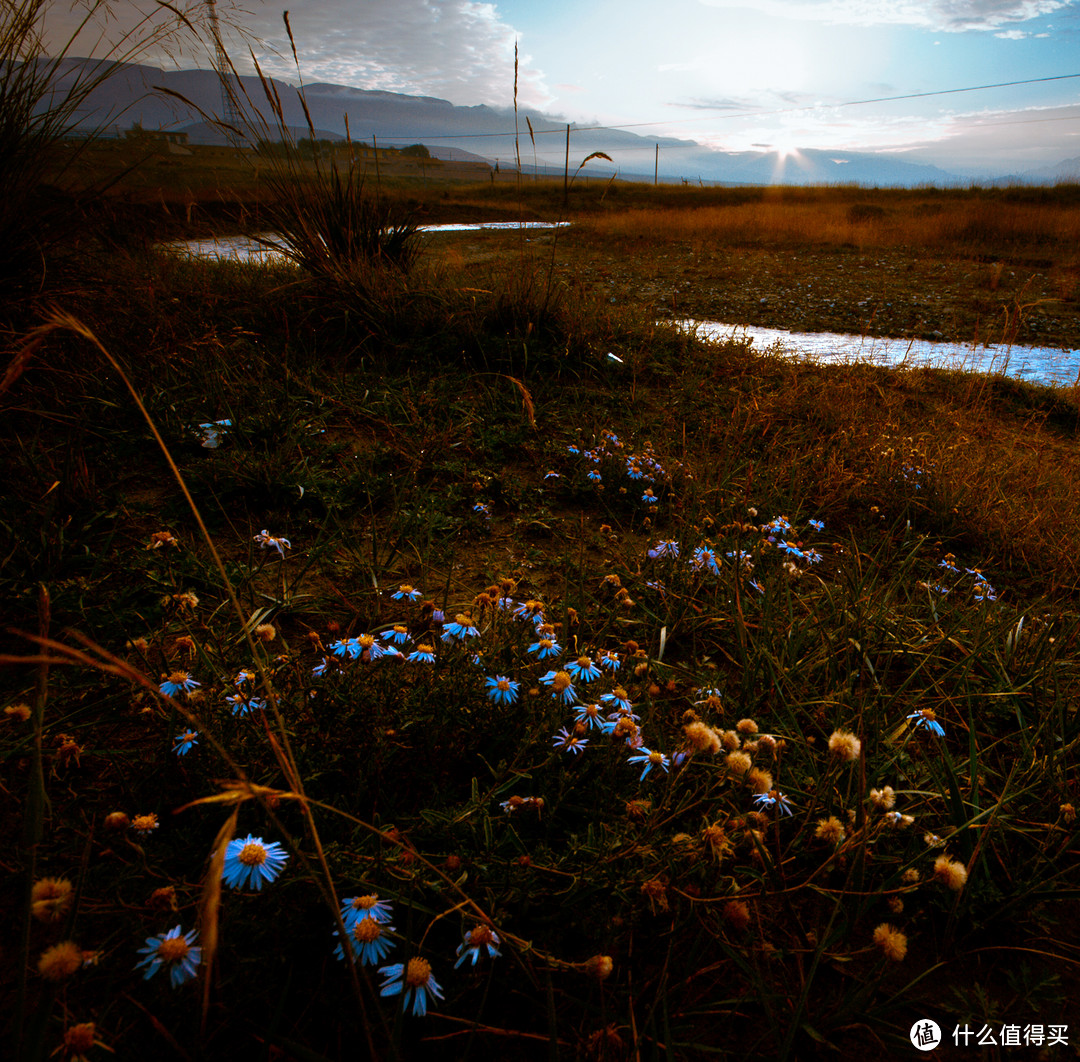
(155, 136)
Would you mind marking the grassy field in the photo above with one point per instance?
(641, 698)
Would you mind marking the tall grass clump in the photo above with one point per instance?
(321, 212)
(43, 96)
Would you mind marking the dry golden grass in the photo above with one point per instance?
(859, 219)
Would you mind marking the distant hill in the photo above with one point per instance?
(184, 100)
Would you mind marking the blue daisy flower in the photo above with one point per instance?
(608, 660)
(774, 799)
(354, 908)
(569, 742)
(369, 942)
(405, 592)
(650, 759)
(460, 629)
(561, 685)
(273, 542)
(590, 715)
(397, 634)
(502, 690)
(583, 669)
(618, 700)
(664, 548)
(545, 647)
(705, 559)
(412, 981)
(185, 742)
(252, 862)
(926, 719)
(178, 682)
(479, 939)
(174, 951)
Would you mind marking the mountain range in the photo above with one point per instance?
(189, 101)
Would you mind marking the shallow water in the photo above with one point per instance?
(1045, 365)
(248, 249)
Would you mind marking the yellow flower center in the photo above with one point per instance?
(562, 680)
(417, 973)
(364, 903)
(481, 935)
(80, 1038)
(365, 641)
(173, 949)
(367, 930)
(179, 677)
(503, 684)
(252, 854)
(585, 662)
(656, 757)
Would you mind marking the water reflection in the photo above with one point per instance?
(251, 249)
(1045, 365)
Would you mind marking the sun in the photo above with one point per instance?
(785, 151)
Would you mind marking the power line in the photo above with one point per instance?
(754, 114)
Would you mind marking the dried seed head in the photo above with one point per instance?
(830, 830)
(739, 763)
(844, 746)
(50, 899)
(599, 966)
(736, 913)
(760, 781)
(891, 942)
(60, 961)
(702, 738)
(950, 873)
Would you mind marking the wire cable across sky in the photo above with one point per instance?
(757, 113)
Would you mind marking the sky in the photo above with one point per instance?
(735, 75)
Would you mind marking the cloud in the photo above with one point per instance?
(460, 50)
(948, 15)
(454, 49)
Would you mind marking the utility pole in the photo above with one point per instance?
(230, 110)
(656, 166)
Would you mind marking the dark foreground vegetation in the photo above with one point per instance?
(702, 702)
